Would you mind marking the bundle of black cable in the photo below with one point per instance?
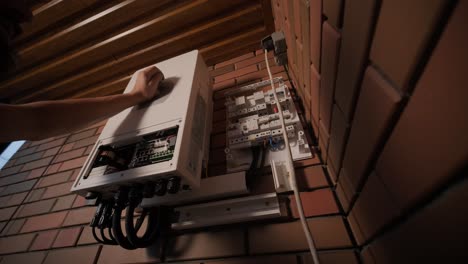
(258, 153)
(109, 216)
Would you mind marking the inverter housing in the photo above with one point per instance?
(171, 133)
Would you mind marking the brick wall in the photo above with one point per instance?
(44, 223)
(384, 83)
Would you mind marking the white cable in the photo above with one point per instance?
(292, 172)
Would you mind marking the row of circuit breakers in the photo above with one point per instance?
(253, 120)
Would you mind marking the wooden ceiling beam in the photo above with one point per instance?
(183, 41)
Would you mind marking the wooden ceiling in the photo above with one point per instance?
(86, 48)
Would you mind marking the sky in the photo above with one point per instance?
(9, 152)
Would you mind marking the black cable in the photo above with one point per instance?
(95, 235)
(141, 219)
(119, 205)
(109, 229)
(152, 230)
(106, 240)
(117, 231)
(262, 159)
(252, 171)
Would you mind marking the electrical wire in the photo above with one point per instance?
(305, 226)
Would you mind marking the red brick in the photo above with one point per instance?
(35, 208)
(13, 178)
(85, 142)
(44, 240)
(67, 237)
(13, 227)
(86, 236)
(99, 131)
(9, 163)
(52, 144)
(72, 164)
(79, 216)
(35, 195)
(53, 168)
(366, 255)
(18, 187)
(359, 21)
(314, 93)
(410, 167)
(14, 244)
(234, 60)
(236, 73)
(30, 258)
(315, 31)
(81, 135)
(224, 84)
(307, 162)
(332, 10)
(311, 177)
(328, 232)
(77, 255)
(437, 231)
(113, 254)
(75, 174)
(338, 137)
(36, 173)
(51, 152)
(344, 190)
(262, 64)
(330, 53)
(88, 150)
(15, 199)
(48, 221)
(257, 75)
(64, 202)
(283, 259)
(39, 142)
(37, 164)
(332, 257)
(250, 61)
(374, 114)
(79, 201)
(57, 190)
(54, 179)
(318, 202)
(374, 207)
(206, 245)
(222, 70)
(23, 152)
(11, 170)
(399, 55)
(29, 158)
(67, 147)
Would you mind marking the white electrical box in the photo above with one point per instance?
(166, 139)
(253, 121)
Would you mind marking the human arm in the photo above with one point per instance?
(39, 120)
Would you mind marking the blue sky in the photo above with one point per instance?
(9, 152)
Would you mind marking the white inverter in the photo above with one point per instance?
(165, 141)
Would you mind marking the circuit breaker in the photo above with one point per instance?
(164, 142)
(253, 121)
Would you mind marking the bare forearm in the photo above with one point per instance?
(50, 118)
(45, 119)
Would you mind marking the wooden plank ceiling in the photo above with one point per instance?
(85, 48)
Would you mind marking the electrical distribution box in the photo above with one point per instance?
(253, 121)
(165, 141)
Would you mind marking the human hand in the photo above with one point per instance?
(146, 84)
